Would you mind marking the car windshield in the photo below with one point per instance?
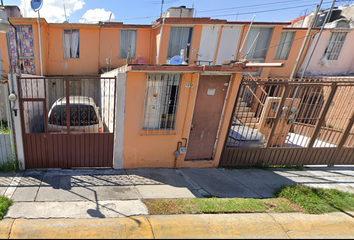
(80, 115)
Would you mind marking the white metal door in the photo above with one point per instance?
(208, 42)
(228, 43)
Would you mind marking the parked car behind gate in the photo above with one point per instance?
(84, 115)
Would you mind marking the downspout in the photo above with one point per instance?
(40, 45)
(158, 50)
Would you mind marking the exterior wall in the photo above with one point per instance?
(109, 45)
(44, 44)
(342, 66)
(143, 43)
(271, 49)
(157, 150)
(197, 34)
(4, 58)
(290, 62)
(153, 151)
(97, 43)
(86, 64)
(155, 40)
(163, 45)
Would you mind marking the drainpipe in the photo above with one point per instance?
(158, 50)
(10, 65)
(40, 45)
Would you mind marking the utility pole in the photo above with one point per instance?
(318, 38)
(305, 42)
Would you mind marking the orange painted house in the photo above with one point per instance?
(161, 108)
(103, 46)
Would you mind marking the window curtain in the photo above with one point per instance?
(157, 100)
(178, 39)
(71, 43)
(66, 44)
(127, 39)
(155, 90)
(74, 43)
(284, 44)
(260, 47)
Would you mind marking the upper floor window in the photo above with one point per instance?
(127, 44)
(180, 38)
(71, 43)
(257, 49)
(284, 44)
(335, 45)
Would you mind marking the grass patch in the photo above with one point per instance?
(4, 129)
(5, 203)
(295, 198)
(9, 165)
(317, 201)
(218, 205)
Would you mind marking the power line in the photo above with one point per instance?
(270, 10)
(279, 44)
(248, 6)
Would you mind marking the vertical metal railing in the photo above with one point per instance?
(311, 123)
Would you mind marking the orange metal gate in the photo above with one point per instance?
(67, 122)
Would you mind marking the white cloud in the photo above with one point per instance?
(96, 15)
(52, 10)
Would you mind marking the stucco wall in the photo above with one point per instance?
(157, 150)
(86, 64)
(342, 66)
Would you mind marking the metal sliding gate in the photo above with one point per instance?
(7, 146)
(67, 122)
(292, 123)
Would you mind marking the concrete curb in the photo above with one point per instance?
(256, 225)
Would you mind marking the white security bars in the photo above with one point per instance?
(161, 101)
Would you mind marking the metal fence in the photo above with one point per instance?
(307, 122)
(67, 121)
(7, 147)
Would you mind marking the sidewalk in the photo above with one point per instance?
(107, 203)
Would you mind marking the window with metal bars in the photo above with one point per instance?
(161, 100)
(335, 45)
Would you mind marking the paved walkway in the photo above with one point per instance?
(109, 199)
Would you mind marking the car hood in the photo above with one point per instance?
(243, 133)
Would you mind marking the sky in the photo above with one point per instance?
(147, 11)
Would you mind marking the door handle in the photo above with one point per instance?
(193, 126)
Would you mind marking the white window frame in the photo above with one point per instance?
(70, 44)
(259, 49)
(127, 42)
(184, 39)
(284, 45)
(335, 45)
(161, 103)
